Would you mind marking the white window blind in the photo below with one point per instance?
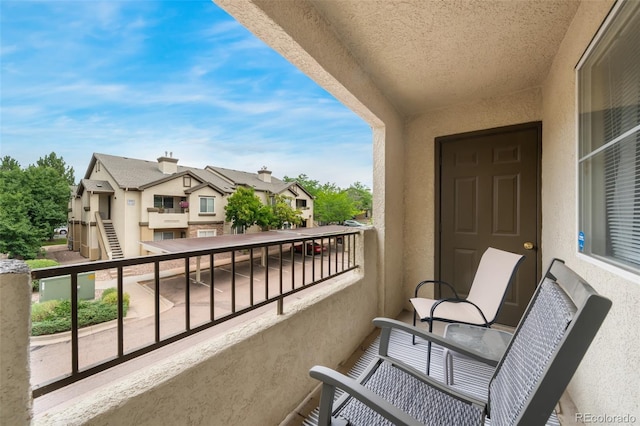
(609, 163)
(206, 204)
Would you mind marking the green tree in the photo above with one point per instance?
(281, 212)
(361, 197)
(244, 209)
(49, 198)
(9, 163)
(19, 238)
(333, 205)
(32, 203)
(58, 164)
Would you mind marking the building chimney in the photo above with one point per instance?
(167, 164)
(264, 174)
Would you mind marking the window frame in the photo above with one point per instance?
(204, 233)
(213, 205)
(163, 234)
(588, 195)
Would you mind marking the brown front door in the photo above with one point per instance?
(488, 195)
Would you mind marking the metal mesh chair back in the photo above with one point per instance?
(531, 350)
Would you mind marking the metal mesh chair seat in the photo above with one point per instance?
(419, 400)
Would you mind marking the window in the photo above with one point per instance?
(163, 202)
(207, 233)
(162, 235)
(609, 138)
(186, 181)
(206, 204)
(301, 204)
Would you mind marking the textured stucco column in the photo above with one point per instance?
(15, 303)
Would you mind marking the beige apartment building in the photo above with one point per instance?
(122, 202)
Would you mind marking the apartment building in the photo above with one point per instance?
(123, 201)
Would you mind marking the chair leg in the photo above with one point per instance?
(429, 348)
(413, 336)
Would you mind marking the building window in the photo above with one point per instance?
(609, 141)
(162, 235)
(207, 233)
(206, 204)
(163, 202)
(186, 181)
(301, 204)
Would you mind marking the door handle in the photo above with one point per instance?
(528, 245)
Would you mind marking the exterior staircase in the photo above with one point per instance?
(112, 238)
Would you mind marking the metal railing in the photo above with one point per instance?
(238, 279)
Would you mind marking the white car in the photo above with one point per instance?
(353, 223)
(63, 230)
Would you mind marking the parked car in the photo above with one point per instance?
(353, 223)
(311, 247)
(63, 230)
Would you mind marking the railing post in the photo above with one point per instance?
(15, 312)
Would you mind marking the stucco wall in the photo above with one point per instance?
(15, 301)
(125, 211)
(607, 380)
(421, 132)
(255, 374)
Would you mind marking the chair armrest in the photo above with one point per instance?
(387, 324)
(421, 283)
(333, 379)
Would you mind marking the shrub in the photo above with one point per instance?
(111, 298)
(108, 291)
(44, 310)
(36, 264)
(54, 316)
(57, 325)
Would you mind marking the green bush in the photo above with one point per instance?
(108, 291)
(44, 310)
(111, 298)
(36, 264)
(54, 316)
(57, 325)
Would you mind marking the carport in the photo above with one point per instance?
(245, 241)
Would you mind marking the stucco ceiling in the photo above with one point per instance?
(427, 54)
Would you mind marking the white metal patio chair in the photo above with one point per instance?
(551, 339)
(481, 307)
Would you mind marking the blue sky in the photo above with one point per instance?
(138, 79)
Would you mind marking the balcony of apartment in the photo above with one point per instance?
(224, 333)
(231, 352)
(168, 218)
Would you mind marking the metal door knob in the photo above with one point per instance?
(528, 245)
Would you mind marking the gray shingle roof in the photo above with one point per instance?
(133, 174)
(97, 186)
(252, 180)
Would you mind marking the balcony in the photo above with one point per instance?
(167, 220)
(256, 371)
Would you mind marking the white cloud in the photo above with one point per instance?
(137, 79)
